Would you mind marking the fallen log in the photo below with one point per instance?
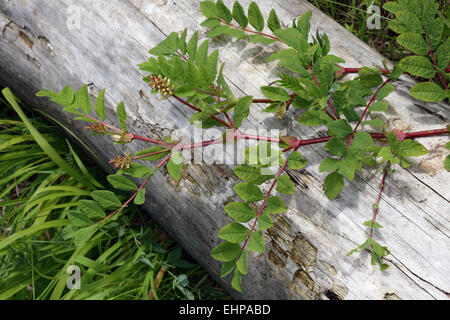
(52, 44)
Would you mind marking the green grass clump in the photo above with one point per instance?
(42, 179)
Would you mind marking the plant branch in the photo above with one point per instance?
(251, 31)
(375, 135)
(137, 191)
(261, 208)
(199, 110)
(366, 109)
(377, 203)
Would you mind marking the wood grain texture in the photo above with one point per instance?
(305, 254)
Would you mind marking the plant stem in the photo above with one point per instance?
(250, 31)
(375, 135)
(261, 208)
(377, 203)
(136, 193)
(328, 101)
(262, 101)
(365, 110)
(199, 110)
(137, 137)
(356, 70)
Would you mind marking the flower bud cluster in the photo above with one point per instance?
(98, 128)
(122, 161)
(162, 85)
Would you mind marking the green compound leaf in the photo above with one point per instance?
(376, 225)
(121, 182)
(335, 146)
(411, 148)
(227, 268)
(100, 109)
(175, 165)
(362, 140)
(333, 185)
(240, 211)
(413, 42)
(251, 174)
(329, 164)
(78, 218)
(84, 102)
(239, 15)
(428, 91)
(122, 115)
(233, 232)
(217, 31)
(226, 251)
(447, 163)
(273, 22)
(242, 110)
(378, 106)
(340, 128)
(140, 197)
(242, 264)
(209, 9)
(92, 209)
(248, 192)
(83, 235)
(265, 221)
(275, 93)
(107, 199)
(223, 11)
(303, 23)
(285, 185)
(236, 282)
(255, 16)
(296, 161)
(256, 243)
(418, 66)
(275, 205)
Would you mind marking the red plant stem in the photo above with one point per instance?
(410, 135)
(261, 208)
(288, 104)
(262, 101)
(181, 55)
(149, 154)
(136, 193)
(241, 135)
(332, 109)
(228, 118)
(328, 101)
(366, 109)
(137, 137)
(377, 203)
(199, 110)
(356, 70)
(250, 31)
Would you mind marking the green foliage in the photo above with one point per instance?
(422, 30)
(48, 223)
(187, 70)
(175, 165)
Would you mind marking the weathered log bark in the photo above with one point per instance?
(305, 255)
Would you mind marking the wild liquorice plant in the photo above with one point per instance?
(182, 69)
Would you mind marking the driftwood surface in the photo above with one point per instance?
(305, 250)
